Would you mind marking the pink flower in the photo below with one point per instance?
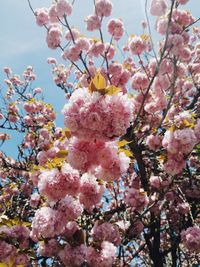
(93, 22)
(71, 207)
(38, 90)
(82, 154)
(90, 191)
(103, 8)
(53, 15)
(137, 45)
(82, 44)
(42, 16)
(191, 238)
(7, 70)
(7, 251)
(153, 141)
(158, 7)
(96, 116)
(54, 36)
(112, 163)
(197, 130)
(73, 34)
(174, 164)
(72, 53)
(49, 248)
(106, 231)
(136, 228)
(73, 256)
(43, 224)
(137, 199)
(108, 253)
(96, 49)
(110, 51)
(63, 7)
(116, 28)
(139, 81)
(161, 25)
(55, 184)
(155, 181)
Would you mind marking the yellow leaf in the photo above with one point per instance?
(123, 143)
(172, 128)
(145, 37)
(133, 35)
(67, 133)
(3, 264)
(162, 158)
(111, 90)
(10, 264)
(98, 83)
(127, 152)
(101, 182)
(62, 154)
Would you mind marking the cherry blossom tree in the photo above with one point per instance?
(119, 185)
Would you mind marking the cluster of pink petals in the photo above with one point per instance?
(174, 164)
(112, 164)
(49, 248)
(51, 15)
(55, 184)
(71, 208)
(7, 251)
(106, 231)
(158, 7)
(45, 224)
(73, 256)
(178, 143)
(90, 191)
(139, 81)
(108, 163)
(104, 258)
(116, 28)
(63, 7)
(103, 8)
(137, 45)
(94, 116)
(42, 16)
(54, 35)
(191, 238)
(74, 51)
(78, 255)
(97, 48)
(182, 140)
(136, 199)
(82, 154)
(154, 142)
(93, 22)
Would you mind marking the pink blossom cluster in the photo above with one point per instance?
(178, 143)
(91, 191)
(94, 116)
(116, 28)
(51, 15)
(38, 113)
(137, 199)
(8, 252)
(191, 238)
(108, 164)
(55, 184)
(76, 256)
(106, 231)
(47, 223)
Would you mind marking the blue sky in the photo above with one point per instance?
(23, 42)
